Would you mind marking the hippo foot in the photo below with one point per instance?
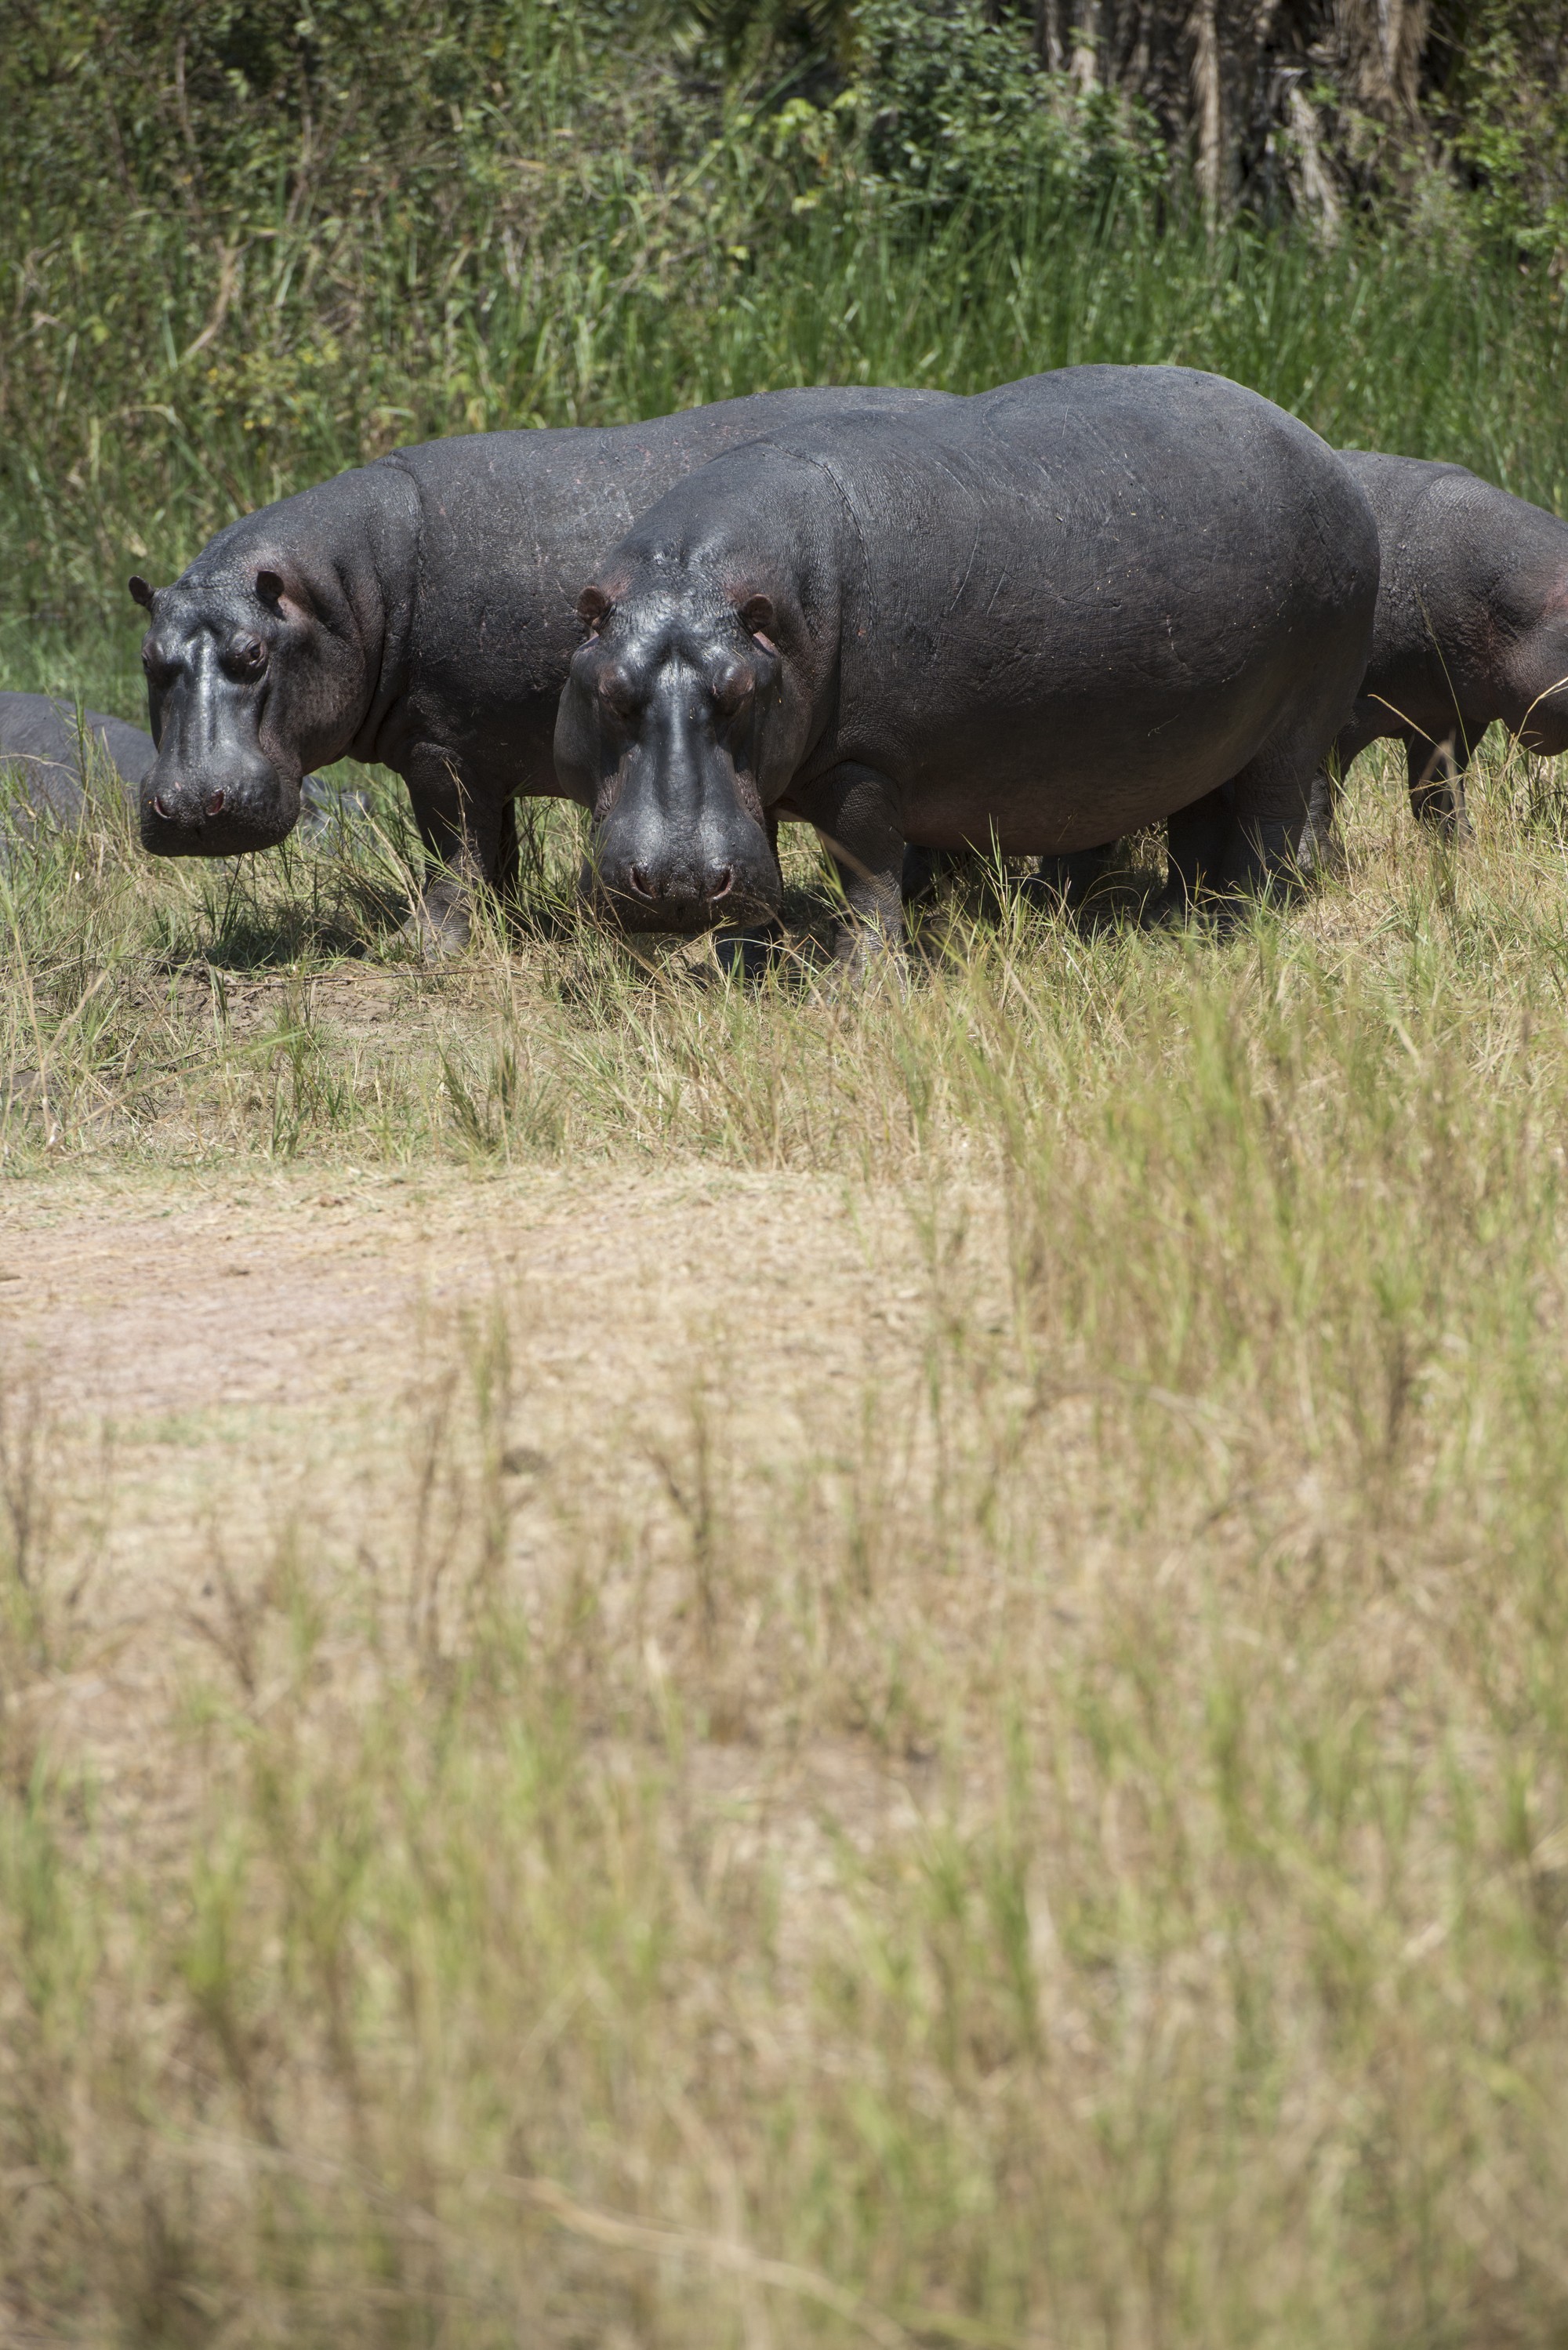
(750, 955)
(1065, 884)
(1322, 856)
(1213, 914)
(865, 955)
(1170, 908)
(439, 922)
(1321, 853)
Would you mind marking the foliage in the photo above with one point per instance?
(1508, 120)
(956, 106)
(245, 247)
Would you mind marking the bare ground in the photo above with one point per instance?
(216, 1362)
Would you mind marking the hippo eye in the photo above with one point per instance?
(247, 656)
(157, 669)
(619, 689)
(733, 689)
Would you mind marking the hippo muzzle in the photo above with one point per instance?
(224, 807)
(690, 890)
(704, 861)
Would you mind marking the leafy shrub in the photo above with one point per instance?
(954, 109)
(1508, 125)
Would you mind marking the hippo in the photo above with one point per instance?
(417, 611)
(1472, 625)
(46, 747)
(1021, 624)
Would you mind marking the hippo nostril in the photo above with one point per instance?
(720, 883)
(215, 801)
(642, 881)
(159, 808)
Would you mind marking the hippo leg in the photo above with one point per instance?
(1436, 775)
(508, 875)
(855, 812)
(1068, 882)
(1321, 847)
(1269, 801)
(464, 843)
(1200, 838)
(1323, 841)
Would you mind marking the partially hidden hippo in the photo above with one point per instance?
(1472, 626)
(1021, 623)
(48, 747)
(418, 611)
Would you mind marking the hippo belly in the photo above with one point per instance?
(1029, 789)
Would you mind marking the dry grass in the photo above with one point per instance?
(1037, 1816)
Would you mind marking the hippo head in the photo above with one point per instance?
(1537, 664)
(246, 688)
(675, 728)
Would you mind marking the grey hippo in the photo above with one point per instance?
(1472, 625)
(1024, 623)
(47, 746)
(417, 611)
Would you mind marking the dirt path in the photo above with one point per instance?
(219, 1360)
(221, 1297)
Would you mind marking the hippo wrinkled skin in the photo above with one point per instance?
(417, 611)
(1024, 623)
(1472, 626)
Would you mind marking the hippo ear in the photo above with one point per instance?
(592, 605)
(141, 590)
(757, 615)
(269, 586)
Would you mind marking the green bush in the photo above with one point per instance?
(953, 108)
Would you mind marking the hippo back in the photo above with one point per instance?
(45, 745)
(510, 526)
(1164, 559)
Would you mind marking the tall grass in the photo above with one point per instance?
(1056, 1836)
(159, 388)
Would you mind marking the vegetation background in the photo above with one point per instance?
(691, 1666)
(246, 243)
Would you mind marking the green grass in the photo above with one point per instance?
(1404, 338)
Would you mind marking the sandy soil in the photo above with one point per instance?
(219, 1359)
